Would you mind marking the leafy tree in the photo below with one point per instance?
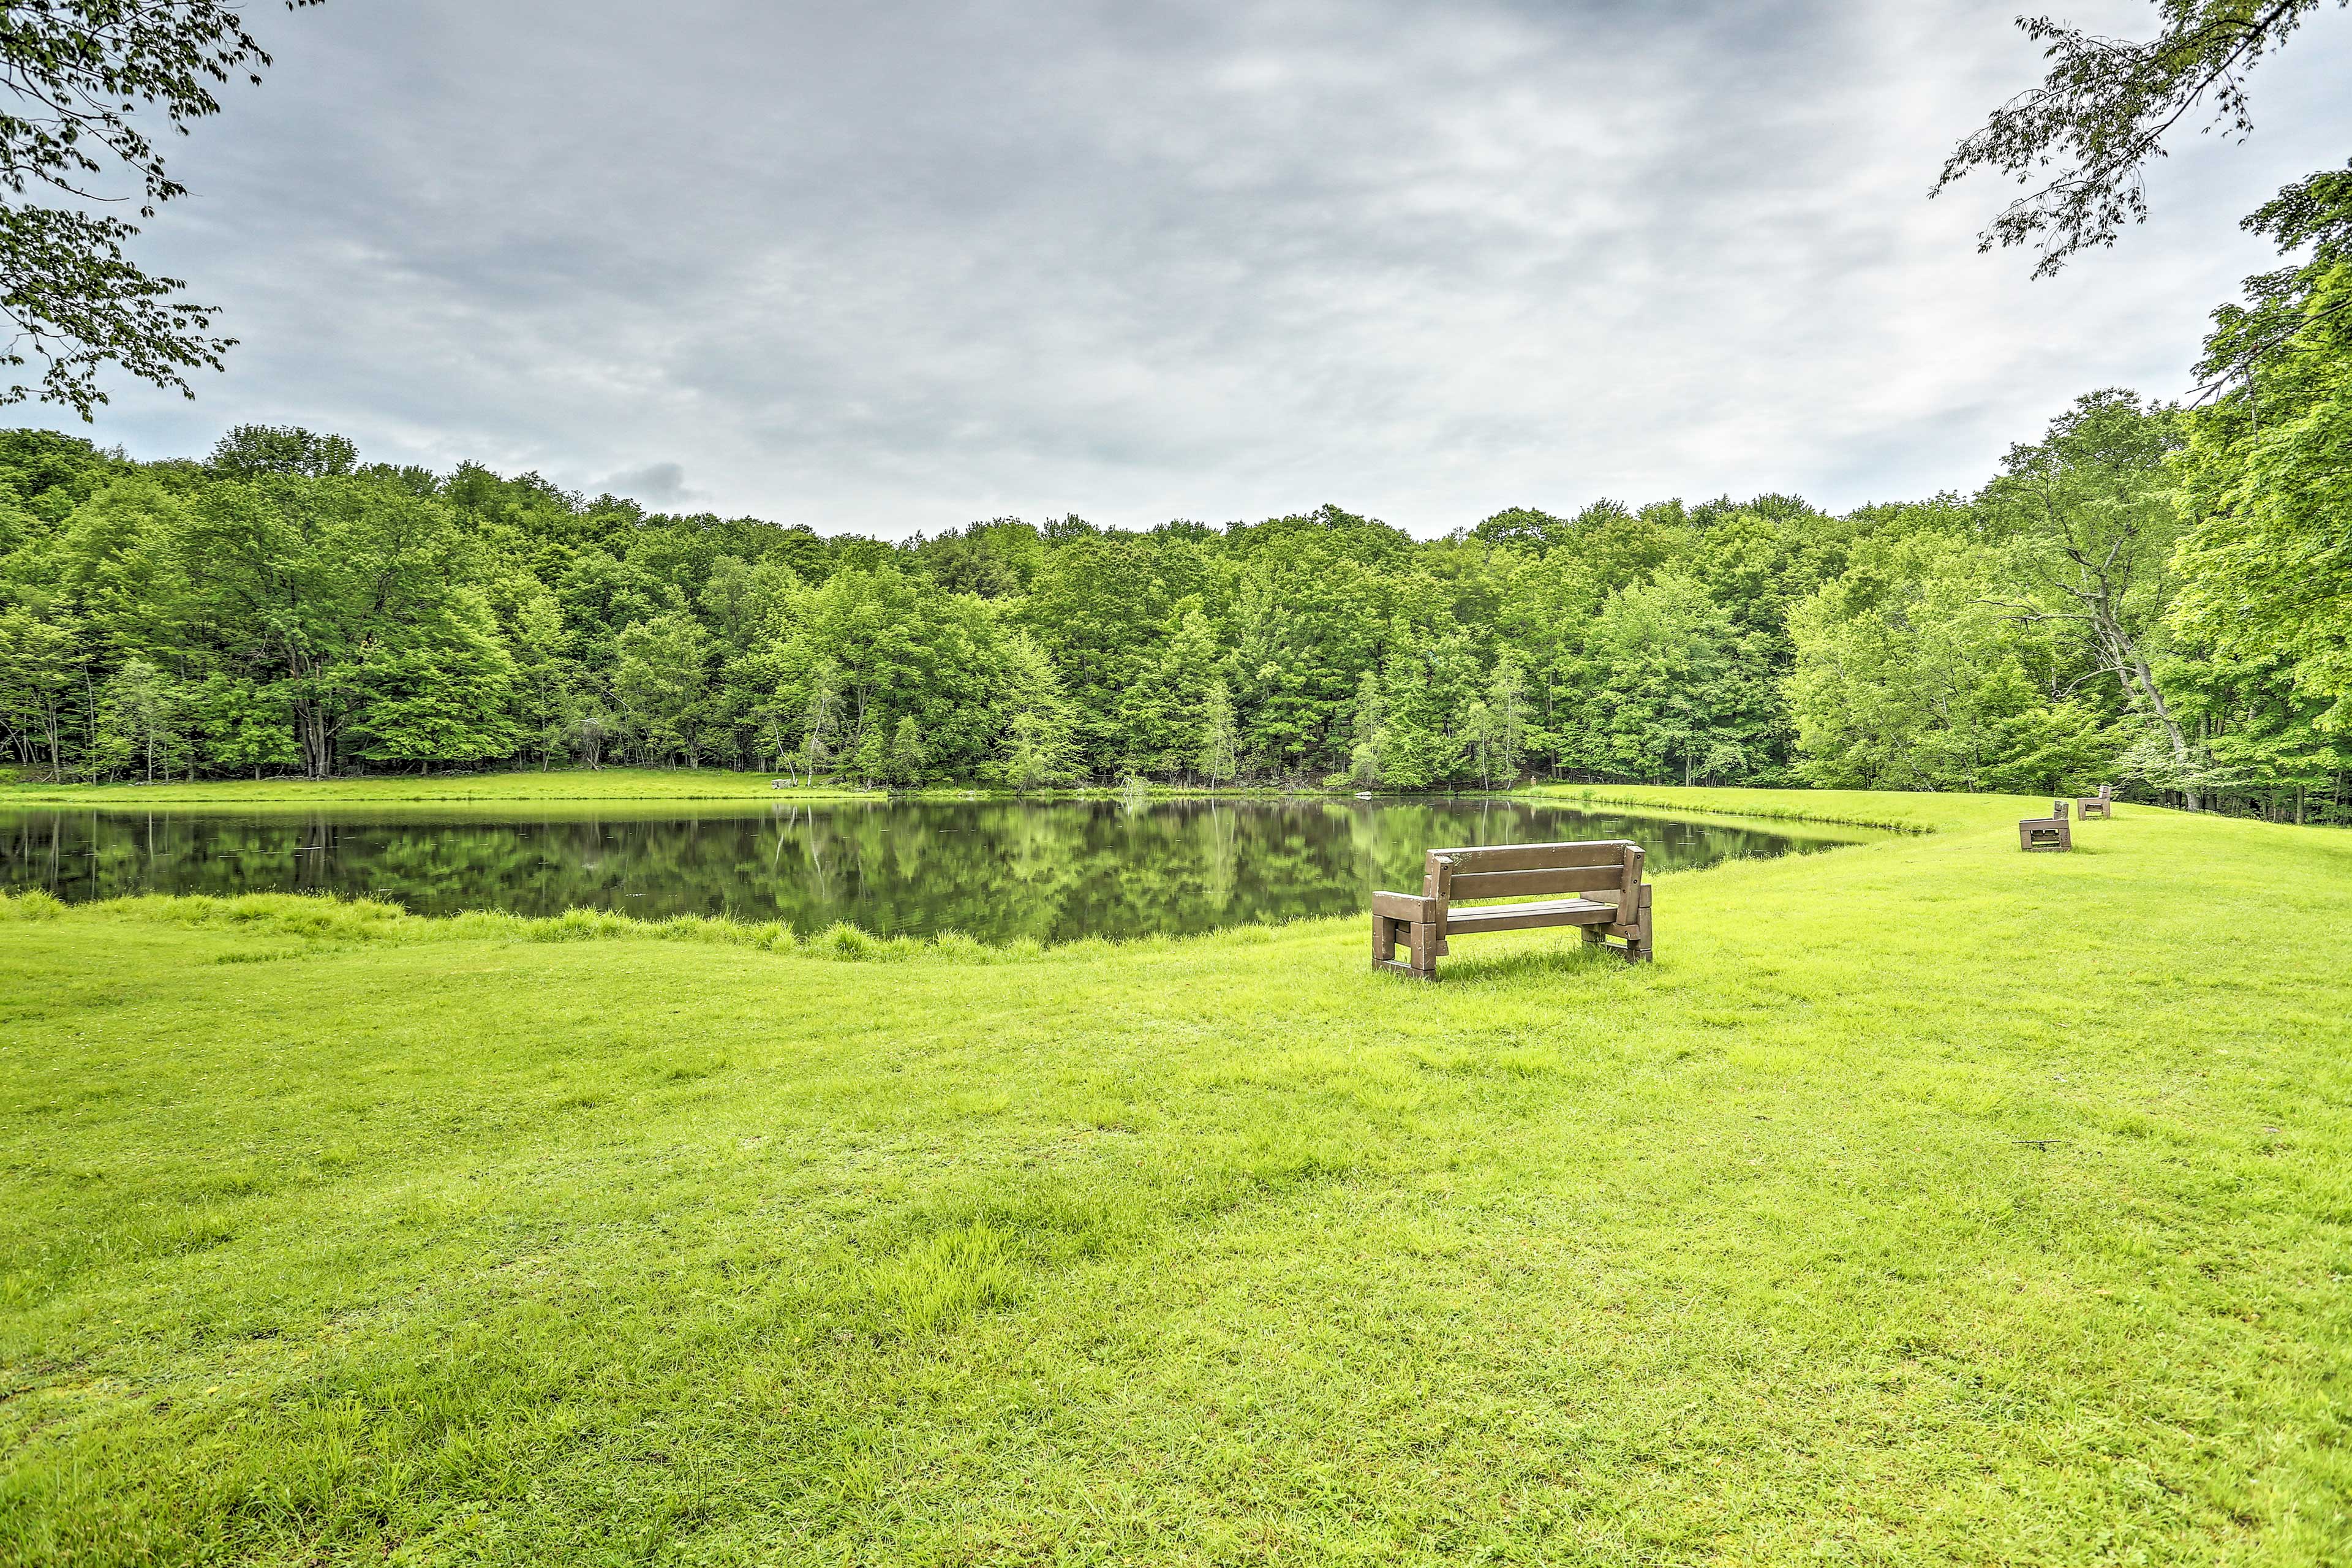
(590, 727)
(2090, 519)
(1161, 713)
(2267, 486)
(1100, 608)
(439, 690)
(38, 676)
(1501, 729)
(79, 71)
(659, 676)
(871, 757)
(2037, 747)
(820, 715)
(2267, 736)
(1426, 686)
(905, 762)
(1674, 693)
(1220, 758)
(543, 683)
(1037, 720)
(140, 721)
(303, 583)
(1527, 527)
(2285, 306)
(898, 651)
(246, 725)
(300, 617)
(112, 569)
(990, 559)
(249, 451)
(1364, 766)
(1907, 675)
(1306, 617)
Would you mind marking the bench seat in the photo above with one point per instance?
(1528, 917)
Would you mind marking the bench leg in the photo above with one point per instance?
(1640, 947)
(1634, 933)
(1421, 944)
(1425, 949)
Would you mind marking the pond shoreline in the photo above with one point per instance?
(998, 868)
(658, 787)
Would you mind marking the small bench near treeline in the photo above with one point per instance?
(1607, 870)
(2049, 832)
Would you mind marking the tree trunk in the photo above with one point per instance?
(2125, 655)
(89, 697)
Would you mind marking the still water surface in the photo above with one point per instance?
(995, 869)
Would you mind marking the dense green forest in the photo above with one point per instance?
(2143, 594)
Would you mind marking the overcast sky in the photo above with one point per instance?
(893, 266)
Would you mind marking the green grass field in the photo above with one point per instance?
(558, 784)
(1927, 1203)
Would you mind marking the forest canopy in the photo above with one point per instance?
(2131, 597)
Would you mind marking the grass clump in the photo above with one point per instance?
(1926, 1203)
(33, 904)
(943, 1279)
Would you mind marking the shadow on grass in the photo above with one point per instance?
(1561, 962)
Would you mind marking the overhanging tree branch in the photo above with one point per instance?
(2103, 113)
(76, 73)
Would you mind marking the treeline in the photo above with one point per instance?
(2144, 595)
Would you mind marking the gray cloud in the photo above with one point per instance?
(660, 486)
(902, 264)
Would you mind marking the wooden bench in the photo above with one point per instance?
(2049, 832)
(1609, 870)
(2102, 804)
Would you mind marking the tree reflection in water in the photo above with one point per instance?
(995, 869)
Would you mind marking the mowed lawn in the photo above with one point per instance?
(1927, 1203)
(608, 785)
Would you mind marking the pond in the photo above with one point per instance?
(994, 869)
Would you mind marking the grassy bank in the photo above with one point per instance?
(1927, 1203)
(1896, 811)
(571, 784)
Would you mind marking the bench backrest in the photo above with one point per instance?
(1535, 870)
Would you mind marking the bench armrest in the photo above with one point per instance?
(1411, 908)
